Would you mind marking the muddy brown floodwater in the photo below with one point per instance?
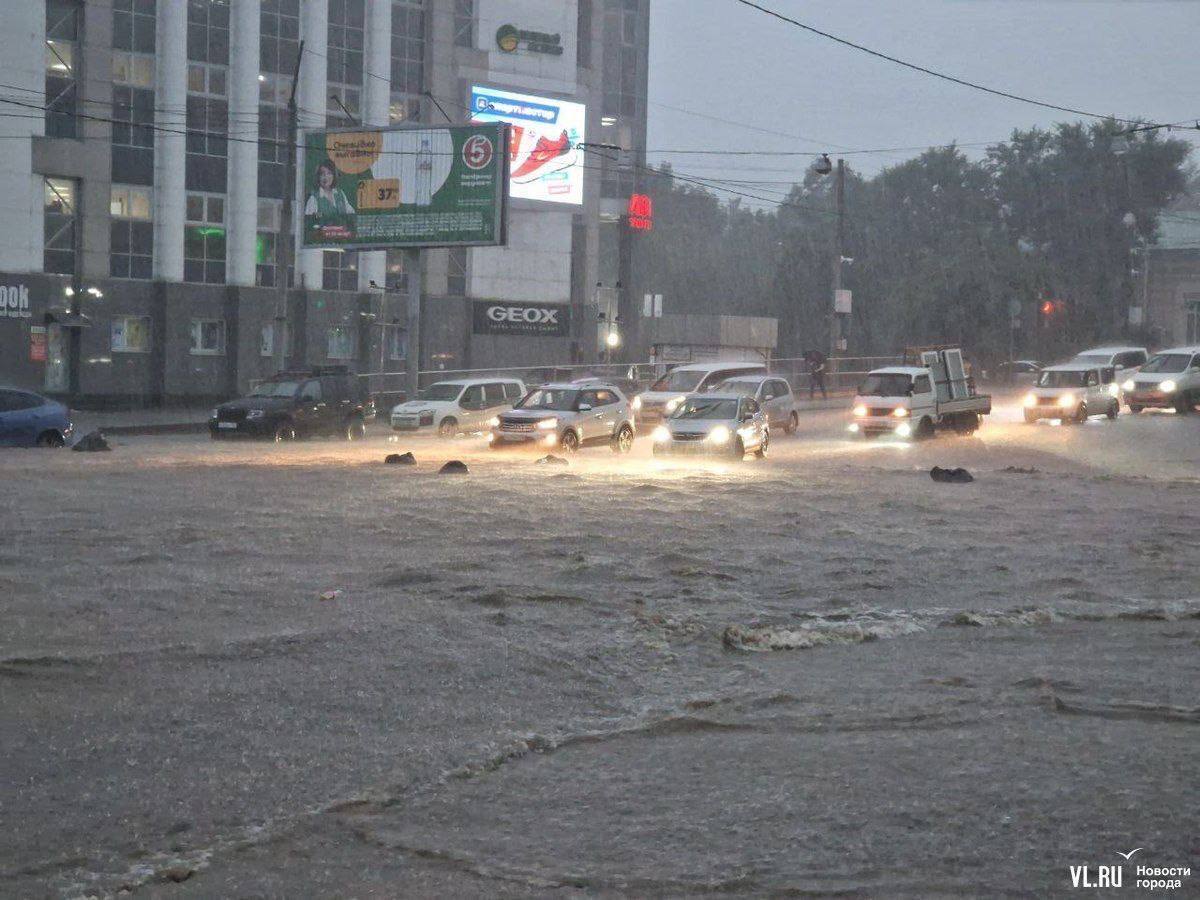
(816, 673)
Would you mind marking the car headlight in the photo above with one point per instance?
(255, 414)
(1168, 386)
(661, 435)
(903, 429)
(547, 424)
(900, 412)
(1114, 390)
(1128, 385)
(493, 422)
(1030, 400)
(637, 403)
(673, 403)
(719, 435)
(1066, 400)
(860, 410)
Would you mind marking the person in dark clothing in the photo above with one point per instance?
(815, 360)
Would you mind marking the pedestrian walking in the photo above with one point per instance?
(815, 361)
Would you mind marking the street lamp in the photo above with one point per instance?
(824, 166)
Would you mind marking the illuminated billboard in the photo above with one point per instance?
(545, 162)
(408, 186)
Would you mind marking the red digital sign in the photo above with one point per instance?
(641, 212)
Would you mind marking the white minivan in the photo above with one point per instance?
(665, 395)
(1170, 380)
(1073, 392)
(454, 407)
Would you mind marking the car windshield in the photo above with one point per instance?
(743, 388)
(1095, 359)
(886, 384)
(549, 398)
(706, 408)
(1051, 379)
(439, 393)
(678, 381)
(276, 389)
(1168, 362)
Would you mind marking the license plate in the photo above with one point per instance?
(227, 424)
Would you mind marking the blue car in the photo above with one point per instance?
(31, 420)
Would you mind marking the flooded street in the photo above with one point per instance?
(820, 672)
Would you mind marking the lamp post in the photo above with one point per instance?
(824, 166)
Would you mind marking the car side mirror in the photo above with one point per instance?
(585, 407)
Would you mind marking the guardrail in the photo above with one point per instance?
(842, 375)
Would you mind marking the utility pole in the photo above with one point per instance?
(413, 268)
(835, 322)
(285, 247)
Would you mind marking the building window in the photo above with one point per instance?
(59, 223)
(1193, 322)
(456, 272)
(208, 337)
(395, 339)
(343, 342)
(130, 334)
(344, 62)
(136, 69)
(204, 239)
(464, 23)
(279, 36)
(408, 47)
(208, 31)
(339, 270)
(131, 232)
(395, 278)
(133, 115)
(266, 242)
(133, 25)
(62, 47)
(266, 347)
(279, 44)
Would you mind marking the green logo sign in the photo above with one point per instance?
(411, 186)
(509, 39)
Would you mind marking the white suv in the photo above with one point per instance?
(1171, 379)
(655, 404)
(1073, 392)
(566, 416)
(454, 407)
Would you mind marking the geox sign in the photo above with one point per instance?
(14, 301)
(537, 320)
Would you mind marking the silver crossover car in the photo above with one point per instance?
(566, 417)
(723, 424)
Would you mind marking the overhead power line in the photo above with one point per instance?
(933, 72)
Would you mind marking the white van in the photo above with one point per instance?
(454, 407)
(1170, 380)
(1072, 392)
(655, 404)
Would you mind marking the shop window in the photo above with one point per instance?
(208, 337)
(130, 334)
(342, 342)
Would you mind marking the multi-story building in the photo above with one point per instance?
(143, 146)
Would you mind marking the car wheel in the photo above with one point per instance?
(1081, 414)
(793, 424)
(762, 448)
(285, 431)
(967, 423)
(1114, 410)
(356, 429)
(50, 439)
(569, 442)
(623, 442)
(1134, 408)
(448, 427)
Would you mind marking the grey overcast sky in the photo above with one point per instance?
(1130, 58)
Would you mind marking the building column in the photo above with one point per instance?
(377, 98)
(170, 149)
(242, 205)
(311, 94)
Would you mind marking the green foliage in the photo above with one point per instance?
(941, 244)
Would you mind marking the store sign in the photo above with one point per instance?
(510, 38)
(37, 343)
(14, 301)
(536, 320)
(407, 186)
(641, 212)
(544, 135)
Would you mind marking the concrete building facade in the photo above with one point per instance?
(142, 177)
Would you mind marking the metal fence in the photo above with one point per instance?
(842, 375)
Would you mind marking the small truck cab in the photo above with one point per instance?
(917, 400)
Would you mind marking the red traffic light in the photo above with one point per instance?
(1048, 308)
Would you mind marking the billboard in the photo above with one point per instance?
(545, 162)
(409, 186)
(529, 319)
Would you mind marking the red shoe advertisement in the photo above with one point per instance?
(545, 161)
